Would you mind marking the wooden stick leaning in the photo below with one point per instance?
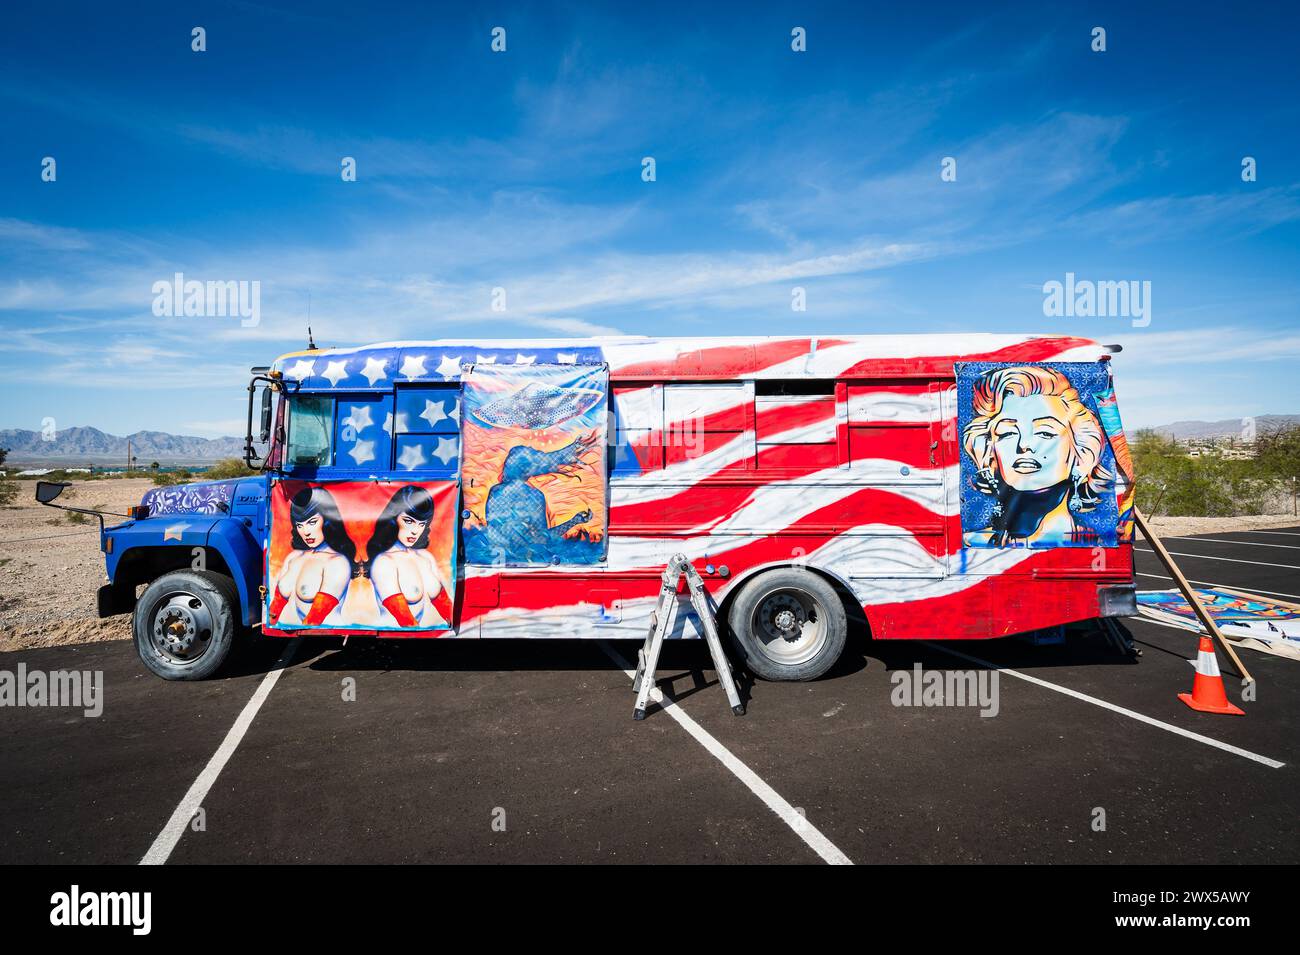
(1201, 613)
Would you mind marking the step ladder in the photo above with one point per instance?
(664, 613)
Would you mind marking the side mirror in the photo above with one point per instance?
(47, 491)
(266, 415)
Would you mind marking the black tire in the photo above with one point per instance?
(185, 624)
(800, 646)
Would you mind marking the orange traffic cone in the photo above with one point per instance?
(1207, 693)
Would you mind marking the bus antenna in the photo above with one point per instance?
(311, 345)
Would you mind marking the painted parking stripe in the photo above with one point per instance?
(1272, 534)
(171, 833)
(1231, 560)
(1133, 714)
(1207, 583)
(1221, 540)
(804, 829)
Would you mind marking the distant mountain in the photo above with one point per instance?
(1232, 427)
(92, 446)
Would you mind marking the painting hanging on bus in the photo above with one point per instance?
(533, 464)
(361, 555)
(1037, 464)
(1125, 479)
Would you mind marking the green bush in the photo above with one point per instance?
(168, 478)
(228, 468)
(1169, 482)
(1277, 454)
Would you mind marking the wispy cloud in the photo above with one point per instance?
(522, 173)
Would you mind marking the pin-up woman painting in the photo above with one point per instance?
(402, 571)
(1037, 450)
(314, 579)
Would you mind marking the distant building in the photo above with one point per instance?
(1226, 448)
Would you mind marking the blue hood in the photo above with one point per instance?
(203, 497)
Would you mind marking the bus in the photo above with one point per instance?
(947, 487)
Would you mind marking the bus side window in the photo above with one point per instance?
(636, 428)
(361, 439)
(795, 422)
(709, 422)
(893, 425)
(426, 429)
(311, 432)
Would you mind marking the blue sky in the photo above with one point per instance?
(522, 170)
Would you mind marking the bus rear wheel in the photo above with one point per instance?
(185, 624)
(788, 624)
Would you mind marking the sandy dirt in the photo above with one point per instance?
(1184, 526)
(51, 566)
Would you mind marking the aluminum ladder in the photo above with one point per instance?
(660, 622)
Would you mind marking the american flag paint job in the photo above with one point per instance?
(856, 480)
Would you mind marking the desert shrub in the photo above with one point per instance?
(229, 468)
(1277, 453)
(1169, 482)
(168, 478)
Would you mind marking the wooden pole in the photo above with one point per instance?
(1201, 613)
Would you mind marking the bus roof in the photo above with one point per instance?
(380, 366)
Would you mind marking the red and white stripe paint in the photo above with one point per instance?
(859, 483)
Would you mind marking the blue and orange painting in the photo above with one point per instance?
(533, 472)
(1037, 464)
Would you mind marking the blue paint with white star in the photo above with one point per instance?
(380, 367)
(399, 404)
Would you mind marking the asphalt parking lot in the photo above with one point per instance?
(526, 752)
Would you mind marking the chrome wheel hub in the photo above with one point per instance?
(788, 624)
(181, 629)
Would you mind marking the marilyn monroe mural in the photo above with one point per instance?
(1037, 467)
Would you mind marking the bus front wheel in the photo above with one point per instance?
(185, 624)
(788, 624)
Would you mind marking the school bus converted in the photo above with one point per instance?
(938, 487)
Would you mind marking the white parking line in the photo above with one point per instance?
(193, 800)
(1231, 560)
(804, 829)
(1273, 533)
(1140, 717)
(1220, 540)
(1210, 583)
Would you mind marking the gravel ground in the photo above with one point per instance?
(1183, 526)
(50, 565)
